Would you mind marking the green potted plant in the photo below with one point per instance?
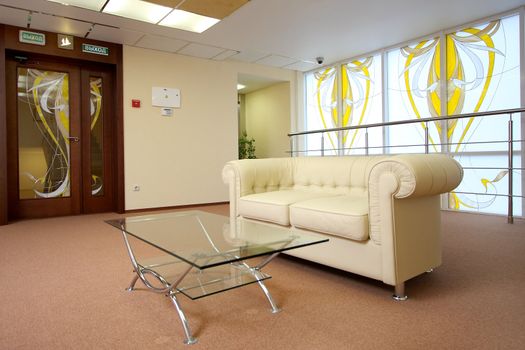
(246, 147)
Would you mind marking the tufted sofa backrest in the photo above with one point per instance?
(265, 175)
(338, 175)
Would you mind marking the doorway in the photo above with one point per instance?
(264, 116)
(60, 132)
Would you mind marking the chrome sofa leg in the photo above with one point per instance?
(399, 293)
(430, 270)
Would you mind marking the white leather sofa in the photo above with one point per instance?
(381, 213)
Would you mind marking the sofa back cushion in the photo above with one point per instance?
(265, 175)
(337, 175)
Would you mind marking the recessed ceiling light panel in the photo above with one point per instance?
(188, 21)
(95, 5)
(137, 9)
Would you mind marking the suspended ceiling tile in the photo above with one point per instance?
(13, 17)
(161, 43)
(276, 61)
(225, 54)
(211, 8)
(248, 56)
(59, 24)
(199, 50)
(114, 35)
(302, 66)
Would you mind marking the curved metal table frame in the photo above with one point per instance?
(170, 290)
(215, 248)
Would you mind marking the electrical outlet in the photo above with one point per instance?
(136, 188)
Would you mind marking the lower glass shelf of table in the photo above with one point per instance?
(202, 283)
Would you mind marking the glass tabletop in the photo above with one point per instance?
(207, 240)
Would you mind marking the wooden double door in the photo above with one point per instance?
(61, 132)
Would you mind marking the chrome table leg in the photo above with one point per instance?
(132, 283)
(256, 269)
(189, 337)
(275, 308)
(169, 289)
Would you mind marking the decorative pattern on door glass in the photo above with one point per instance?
(97, 139)
(43, 134)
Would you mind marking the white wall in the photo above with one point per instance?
(178, 160)
(268, 120)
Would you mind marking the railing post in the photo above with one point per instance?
(366, 141)
(322, 144)
(510, 211)
(426, 137)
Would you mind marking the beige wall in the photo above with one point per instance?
(178, 160)
(268, 120)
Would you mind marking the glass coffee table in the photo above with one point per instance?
(205, 254)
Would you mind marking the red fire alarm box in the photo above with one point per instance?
(135, 103)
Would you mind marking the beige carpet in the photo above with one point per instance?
(63, 279)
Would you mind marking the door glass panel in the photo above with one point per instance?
(97, 139)
(43, 134)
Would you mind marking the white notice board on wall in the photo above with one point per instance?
(165, 97)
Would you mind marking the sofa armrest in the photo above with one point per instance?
(419, 174)
(409, 175)
(404, 211)
(249, 176)
(230, 176)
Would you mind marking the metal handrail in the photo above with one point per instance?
(510, 142)
(411, 121)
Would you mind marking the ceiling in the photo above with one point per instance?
(288, 34)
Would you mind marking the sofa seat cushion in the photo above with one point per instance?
(344, 216)
(274, 206)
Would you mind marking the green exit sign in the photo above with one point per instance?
(94, 49)
(28, 37)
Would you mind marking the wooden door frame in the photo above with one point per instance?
(9, 40)
(3, 133)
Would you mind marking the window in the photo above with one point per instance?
(413, 92)
(347, 95)
(361, 97)
(473, 69)
(483, 73)
(322, 110)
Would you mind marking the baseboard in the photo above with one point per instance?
(188, 206)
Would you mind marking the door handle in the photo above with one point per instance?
(73, 138)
